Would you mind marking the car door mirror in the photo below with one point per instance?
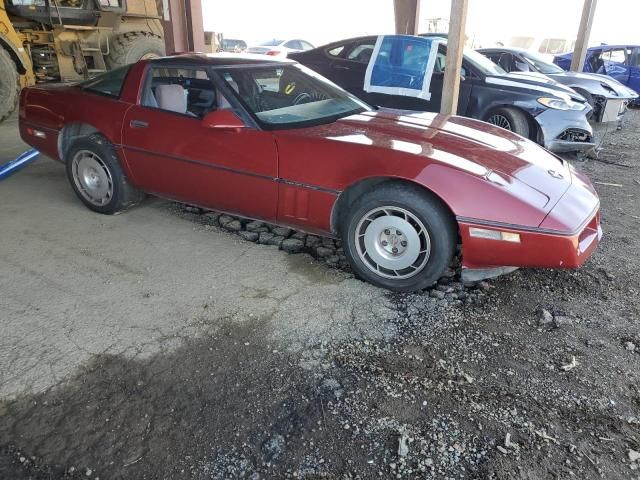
(222, 119)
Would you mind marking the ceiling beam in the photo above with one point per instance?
(453, 65)
(407, 15)
(584, 32)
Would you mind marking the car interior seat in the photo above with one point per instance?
(171, 97)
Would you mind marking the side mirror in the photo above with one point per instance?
(222, 118)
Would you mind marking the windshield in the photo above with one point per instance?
(541, 65)
(290, 96)
(271, 43)
(482, 63)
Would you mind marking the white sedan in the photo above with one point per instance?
(280, 48)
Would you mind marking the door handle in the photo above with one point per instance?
(138, 124)
(341, 67)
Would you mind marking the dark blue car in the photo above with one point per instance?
(621, 62)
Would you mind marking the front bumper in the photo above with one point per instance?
(566, 130)
(537, 248)
(566, 238)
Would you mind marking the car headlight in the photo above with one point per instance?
(561, 104)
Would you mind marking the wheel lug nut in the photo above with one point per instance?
(403, 243)
(394, 250)
(387, 232)
(385, 243)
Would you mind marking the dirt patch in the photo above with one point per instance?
(534, 375)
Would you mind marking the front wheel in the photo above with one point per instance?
(510, 119)
(399, 237)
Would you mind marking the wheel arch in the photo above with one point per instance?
(70, 133)
(534, 128)
(355, 190)
(11, 49)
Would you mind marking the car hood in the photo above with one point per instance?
(595, 82)
(474, 147)
(534, 81)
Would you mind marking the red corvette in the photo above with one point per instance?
(271, 140)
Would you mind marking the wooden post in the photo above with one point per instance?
(455, 47)
(584, 32)
(407, 15)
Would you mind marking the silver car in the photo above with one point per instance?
(608, 97)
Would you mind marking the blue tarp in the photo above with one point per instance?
(402, 65)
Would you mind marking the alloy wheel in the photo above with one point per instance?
(392, 242)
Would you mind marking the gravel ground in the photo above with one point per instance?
(532, 375)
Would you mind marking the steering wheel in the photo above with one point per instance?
(302, 98)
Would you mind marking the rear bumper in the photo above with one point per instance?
(536, 248)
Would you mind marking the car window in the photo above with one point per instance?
(540, 64)
(615, 56)
(361, 52)
(306, 45)
(289, 96)
(294, 44)
(109, 83)
(188, 91)
(336, 51)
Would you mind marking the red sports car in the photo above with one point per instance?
(272, 140)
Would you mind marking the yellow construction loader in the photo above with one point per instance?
(70, 40)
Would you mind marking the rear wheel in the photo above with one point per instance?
(399, 237)
(9, 85)
(510, 119)
(133, 46)
(96, 176)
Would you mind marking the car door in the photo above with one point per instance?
(615, 63)
(349, 66)
(634, 70)
(171, 153)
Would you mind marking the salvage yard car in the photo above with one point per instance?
(620, 62)
(271, 140)
(608, 97)
(544, 111)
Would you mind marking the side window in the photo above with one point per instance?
(336, 51)
(615, 56)
(441, 62)
(519, 64)
(109, 83)
(306, 45)
(295, 44)
(188, 91)
(361, 53)
(635, 59)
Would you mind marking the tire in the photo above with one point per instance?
(130, 47)
(389, 218)
(9, 85)
(95, 174)
(510, 119)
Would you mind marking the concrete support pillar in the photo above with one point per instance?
(407, 15)
(584, 32)
(455, 46)
(183, 26)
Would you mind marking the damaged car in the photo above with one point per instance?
(536, 108)
(620, 62)
(608, 97)
(271, 140)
